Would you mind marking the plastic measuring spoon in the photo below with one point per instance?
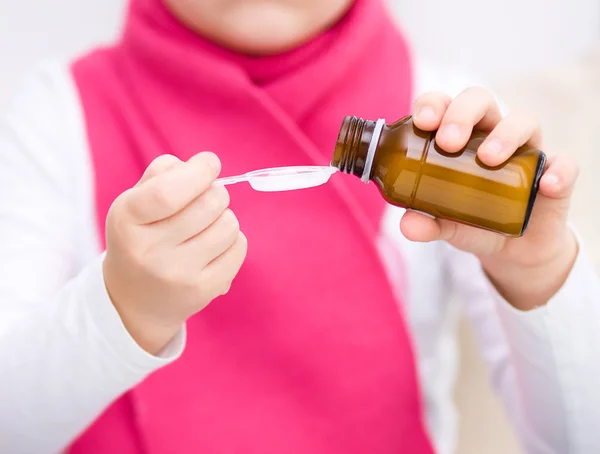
(282, 178)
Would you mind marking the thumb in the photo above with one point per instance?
(158, 166)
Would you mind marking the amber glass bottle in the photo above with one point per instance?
(411, 171)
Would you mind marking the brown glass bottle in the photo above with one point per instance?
(412, 171)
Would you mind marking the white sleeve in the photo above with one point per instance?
(64, 352)
(544, 363)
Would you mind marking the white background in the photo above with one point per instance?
(501, 38)
(34, 29)
(494, 38)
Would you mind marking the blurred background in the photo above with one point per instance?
(542, 55)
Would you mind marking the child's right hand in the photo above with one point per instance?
(172, 246)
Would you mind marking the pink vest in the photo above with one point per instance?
(309, 352)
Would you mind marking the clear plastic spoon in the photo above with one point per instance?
(282, 178)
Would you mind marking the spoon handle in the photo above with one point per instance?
(225, 181)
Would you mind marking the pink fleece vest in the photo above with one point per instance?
(309, 352)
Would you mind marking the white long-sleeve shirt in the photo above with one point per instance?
(65, 354)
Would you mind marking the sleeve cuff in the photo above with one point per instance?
(555, 354)
(112, 331)
(573, 308)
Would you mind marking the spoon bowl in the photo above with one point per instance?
(283, 178)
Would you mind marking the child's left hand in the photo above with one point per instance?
(529, 270)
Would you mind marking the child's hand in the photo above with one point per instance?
(172, 247)
(528, 271)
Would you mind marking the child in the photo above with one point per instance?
(332, 334)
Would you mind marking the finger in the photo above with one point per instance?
(212, 242)
(474, 107)
(558, 181)
(429, 110)
(171, 191)
(512, 132)
(219, 274)
(196, 217)
(158, 166)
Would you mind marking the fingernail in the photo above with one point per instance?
(552, 179)
(426, 113)
(494, 146)
(213, 161)
(451, 132)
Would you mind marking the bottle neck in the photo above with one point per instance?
(356, 146)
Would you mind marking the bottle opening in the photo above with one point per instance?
(356, 145)
(347, 145)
